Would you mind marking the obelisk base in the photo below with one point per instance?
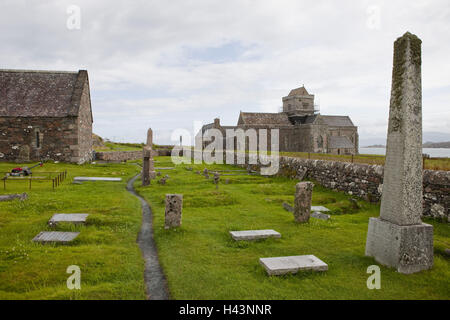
(409, 249)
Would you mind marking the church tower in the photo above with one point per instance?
(299, 103)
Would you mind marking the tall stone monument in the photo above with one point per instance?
(151, 168)
(146, 165)
(398, 238)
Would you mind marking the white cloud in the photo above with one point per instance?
(146, 66)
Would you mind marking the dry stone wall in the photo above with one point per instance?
(366, 181)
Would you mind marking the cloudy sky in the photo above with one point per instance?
(165, 64)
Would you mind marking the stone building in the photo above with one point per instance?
(45, 115)
(301, 127)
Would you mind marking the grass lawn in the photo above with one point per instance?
(201, 261)
(106, 250)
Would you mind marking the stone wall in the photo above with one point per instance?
(128, 155)
(366, 181)
(57, 139)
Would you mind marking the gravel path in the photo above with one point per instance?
(155, 281)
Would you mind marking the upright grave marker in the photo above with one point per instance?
(398, 238)
(148, 166)
(174, 206)
(302, 204)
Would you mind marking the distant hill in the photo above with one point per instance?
(376, 146)
(381, 141)
(437, 144)
(425, 145)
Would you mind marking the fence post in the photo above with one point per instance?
(53, 184)
(30, 181)
(352, 158)
(309, 155)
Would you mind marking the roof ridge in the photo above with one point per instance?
(37, 71)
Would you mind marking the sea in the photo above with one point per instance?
(433, 152)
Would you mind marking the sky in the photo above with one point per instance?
(170, 64)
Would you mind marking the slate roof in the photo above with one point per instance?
(340, 142)
(260, 118)
(27, 93)
(337, 121)
(299, 91)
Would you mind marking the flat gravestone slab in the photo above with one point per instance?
(254, 234)
(320, 215)
(75, 218)
(319, 208)
(96, 179)
(292, 264)
(164, 168)
(55, 237)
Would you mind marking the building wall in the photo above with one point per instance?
(18, 138)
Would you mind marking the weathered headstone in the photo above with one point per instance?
(302, 204)
(292, 264)
(254, 234)
(174, 206)
(398, 238)
(216, 179)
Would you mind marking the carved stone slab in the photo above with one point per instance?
(254, 234)
(96, 179)
(55, 237)
(75, 218)
(319, 209)
(292, 264)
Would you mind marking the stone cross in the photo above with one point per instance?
(150, 137)
(302, 202)
(216, 180)
(146, 166)
(174, 206)
(398, 238)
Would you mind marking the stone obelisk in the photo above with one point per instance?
(398, 238)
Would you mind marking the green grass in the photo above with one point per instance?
(106, 250)
(118, 146)
(201, 261)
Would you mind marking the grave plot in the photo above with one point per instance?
(254, 234)
(292, 264)
(55, 237)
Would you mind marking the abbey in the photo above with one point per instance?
(301, 127)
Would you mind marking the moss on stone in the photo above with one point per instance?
(400, 48)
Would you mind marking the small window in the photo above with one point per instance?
(38, 140)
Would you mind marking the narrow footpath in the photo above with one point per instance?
(155, 281)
